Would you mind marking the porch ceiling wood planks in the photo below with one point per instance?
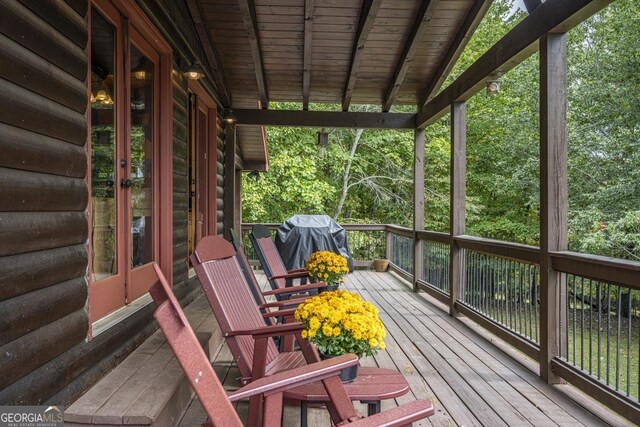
(368, 15)
(210, 51)
(469, 26)
(332, 51)
(248, 12)
(427, 8)
(306, 62)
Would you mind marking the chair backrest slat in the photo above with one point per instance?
(246, 269)
(268, 255)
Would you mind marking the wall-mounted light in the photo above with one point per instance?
(229, 117)
(493, 84)
(194, 71)
(254, 175)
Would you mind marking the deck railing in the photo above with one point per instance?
(598, 305)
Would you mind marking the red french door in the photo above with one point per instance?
(124, 146)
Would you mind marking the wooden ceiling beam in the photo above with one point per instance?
(306, 61)
(552, 16)
(328, 119)
(532, 5)
(368, 15)
(213, 59)
(248, 12)
(469, 26)
(423, 17)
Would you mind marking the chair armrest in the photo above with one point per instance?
(294, 275)
(286, 380)
(296, 289)
(399, 416)
(282, 304)
(270, 331)
(297, 270)
(280, 313)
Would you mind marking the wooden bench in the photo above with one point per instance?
(148, 388)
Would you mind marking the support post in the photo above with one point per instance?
(458, 194)
(388, 244)
(418, 204)
(229, 177)
(237, 199)
(553, 194)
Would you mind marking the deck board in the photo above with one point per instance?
(470, 381)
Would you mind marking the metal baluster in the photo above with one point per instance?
(535, 304)
(582, 322)
(629, 322)
(575, 303)
(527, 301)
(619, 310)
(590, 326)
(608, 331)
(508, 312)
(598, 285)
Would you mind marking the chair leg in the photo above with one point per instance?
(303, 413)
(253, 415)
(373, 407)
(272, 412)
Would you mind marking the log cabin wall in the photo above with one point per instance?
(45, 356)
(180, 180)
(43, 196)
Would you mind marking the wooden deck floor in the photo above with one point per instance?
(470, 381)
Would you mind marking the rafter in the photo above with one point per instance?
(531, 5)
(427, 8)
(368, 15)
(471, 22)
(306, 61)
(553, 16)
(210, 51)
(248, 12)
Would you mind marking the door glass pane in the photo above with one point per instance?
(142, 147)
(103, 149)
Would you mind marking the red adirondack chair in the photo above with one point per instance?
(266, 391)
(289, 293)
(270, 260)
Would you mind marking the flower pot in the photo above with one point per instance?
(380, 265)
(348, 374)
(330, 287)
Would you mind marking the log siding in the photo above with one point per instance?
(45, 353)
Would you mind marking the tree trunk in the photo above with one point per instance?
(347, 173)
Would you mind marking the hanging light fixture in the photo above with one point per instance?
(493, 84)
(194, 71)
(229, 117)
(323, 142)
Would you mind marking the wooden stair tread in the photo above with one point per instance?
(148, 387)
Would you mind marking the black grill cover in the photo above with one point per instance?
(302, 235)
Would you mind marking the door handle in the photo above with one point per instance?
(125, 183)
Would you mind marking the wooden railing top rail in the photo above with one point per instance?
(515, 251)
(434, 236)
(611, 270)
(402, 231)
(348, 227)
